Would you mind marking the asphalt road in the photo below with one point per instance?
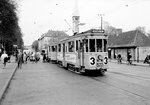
(47, 84)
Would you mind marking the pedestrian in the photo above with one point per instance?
(16, 56)
(20, 59)
(44, 57)
(147, 59)
(25, 57)
(119, 58)
(9, 56)
(129, 56)
(4, 58)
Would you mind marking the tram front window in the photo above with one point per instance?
(92, 45)
(86, 45)
(99, 45)
(105, 45)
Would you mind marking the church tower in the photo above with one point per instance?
(75, 19)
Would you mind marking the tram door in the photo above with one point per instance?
(63, 54)
(81, 53)
(78, 50)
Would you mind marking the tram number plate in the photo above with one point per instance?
(99, 64)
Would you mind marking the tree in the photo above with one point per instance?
(110, 30)
(148, 33)
(10, 31)
(142, 29)
(35, 45)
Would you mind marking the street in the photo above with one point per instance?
(47, 84)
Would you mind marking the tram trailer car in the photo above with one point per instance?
(86, 51)
(52, 52)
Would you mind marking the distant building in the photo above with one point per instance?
(50, 37)
(134, 41)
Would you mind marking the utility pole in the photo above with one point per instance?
(101, 16)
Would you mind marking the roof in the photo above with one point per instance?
(54, 34)
(130, 38)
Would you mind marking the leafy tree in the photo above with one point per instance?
(148, 34)
(110, 30)
(10, 32)
(35, 45)
(142, 29)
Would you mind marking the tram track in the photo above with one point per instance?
(120, 88)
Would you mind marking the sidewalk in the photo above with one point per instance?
(6, 76)
(133, 63)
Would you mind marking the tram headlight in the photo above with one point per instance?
(99, 58)
(105, 60)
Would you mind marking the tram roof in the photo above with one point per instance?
(91, 32)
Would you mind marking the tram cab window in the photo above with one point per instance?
(86, 45)
(71, 46)
(105, 45)
(92, 45)
(99, 45)
(59, 47)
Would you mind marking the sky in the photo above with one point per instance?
(36, 17)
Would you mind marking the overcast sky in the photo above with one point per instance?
(36, 17)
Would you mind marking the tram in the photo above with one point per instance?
(82, 52)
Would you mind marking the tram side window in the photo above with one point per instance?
(105, 45)
(71, 46)
(49, 49)
(76, 45)
(92, 45)
(99, 45)
(59, 47)
(53, 48)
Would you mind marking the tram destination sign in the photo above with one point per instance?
(97, 31)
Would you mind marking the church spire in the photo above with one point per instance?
(75, 18)
(76, 11)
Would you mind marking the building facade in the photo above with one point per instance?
(50, 37)
(135, 42)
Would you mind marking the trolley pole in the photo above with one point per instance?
(101, 16)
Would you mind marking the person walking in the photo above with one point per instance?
(20, 60)
(4, 58)
(129, 56)
(25, 57)
(119, 58)
(44, 57)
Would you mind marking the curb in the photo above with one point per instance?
(134, 64)
(6, 86)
